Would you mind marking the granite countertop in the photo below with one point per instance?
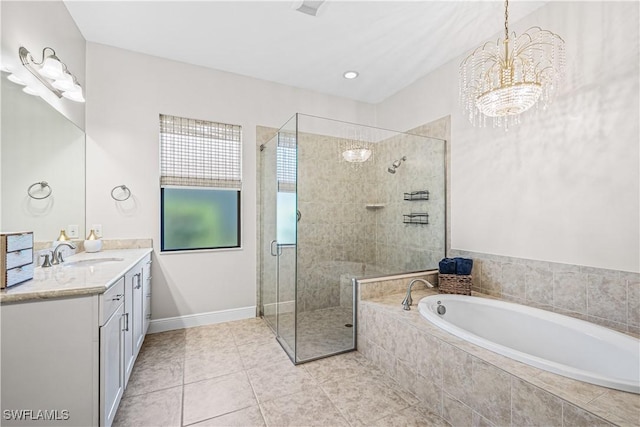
(67, 279)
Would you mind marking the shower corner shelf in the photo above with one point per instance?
(417, 195)
(416, 218)
(374, 206)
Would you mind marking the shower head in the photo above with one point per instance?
(396, 164)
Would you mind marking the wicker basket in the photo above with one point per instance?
(454, 284)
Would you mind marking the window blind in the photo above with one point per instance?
(286, 157)
(199, 153)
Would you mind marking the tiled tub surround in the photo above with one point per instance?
(606, 297)
(468, 385)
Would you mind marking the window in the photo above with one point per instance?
(286, 218)
(200, 184)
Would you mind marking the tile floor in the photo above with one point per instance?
(236, 374)
(320, 332)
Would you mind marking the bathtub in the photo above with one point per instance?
(550, 341)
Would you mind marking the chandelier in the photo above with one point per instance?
(505, 79)
(356, 148)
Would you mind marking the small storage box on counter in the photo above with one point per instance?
(16, 262)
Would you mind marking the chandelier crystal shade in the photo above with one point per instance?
(504, 79)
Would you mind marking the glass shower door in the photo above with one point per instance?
(268, 252)
(286, 235)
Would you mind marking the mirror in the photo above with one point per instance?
(38, 144)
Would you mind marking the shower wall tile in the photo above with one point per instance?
(457, 368)
(586, 293)
(491, 395)
(513, 280)
(574, 416)
(607, 297)
(456, 412)
(570, 291)
(633, 304)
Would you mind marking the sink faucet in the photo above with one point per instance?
(407, 301)
(56, 255)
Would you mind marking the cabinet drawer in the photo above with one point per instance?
(111, 300)
(19, 274)
(16, 242)
(19, 258)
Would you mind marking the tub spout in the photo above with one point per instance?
(407, 301)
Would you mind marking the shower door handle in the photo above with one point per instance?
(277, 252)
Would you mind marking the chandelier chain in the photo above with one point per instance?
(506, 19)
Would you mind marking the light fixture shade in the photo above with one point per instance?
(74, 95)
(356, 155)
(15, 79)
(30, 91)
(64, 83)
(51, 68)
(509, 100)
(504, 79)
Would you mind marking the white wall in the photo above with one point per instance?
(564, 186)
(36, 25)
(126, 92)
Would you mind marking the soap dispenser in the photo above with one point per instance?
(61, 238)
(92, 243)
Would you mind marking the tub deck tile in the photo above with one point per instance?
(547, 397)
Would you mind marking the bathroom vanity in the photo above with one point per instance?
(70, 338)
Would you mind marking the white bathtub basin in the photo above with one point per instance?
(550, 341)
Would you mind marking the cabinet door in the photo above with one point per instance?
(146, 295)
(137, 315)
(129, 355)
(111, 366)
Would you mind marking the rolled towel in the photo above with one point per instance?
(447, 266)
(463, 266)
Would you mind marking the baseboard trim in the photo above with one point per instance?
(200, 319)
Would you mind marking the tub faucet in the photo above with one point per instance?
(407, 301)
(56, 255)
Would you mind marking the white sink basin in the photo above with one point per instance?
(91, 261)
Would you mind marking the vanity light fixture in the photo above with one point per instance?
(503, 80)
(53, 73)
(350, 75)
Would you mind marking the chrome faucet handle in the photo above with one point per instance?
(60, 258)
(46, 263)
(54, 258)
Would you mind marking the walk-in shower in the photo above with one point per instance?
(326, 221)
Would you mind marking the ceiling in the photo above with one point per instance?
(390, 43)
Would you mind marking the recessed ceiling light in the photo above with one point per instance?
(350, 74)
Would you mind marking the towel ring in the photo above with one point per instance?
(127, 193)
(43, 185)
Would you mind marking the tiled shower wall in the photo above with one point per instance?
(341, 235)
(336, 233)
(338, 236)
(606, 297)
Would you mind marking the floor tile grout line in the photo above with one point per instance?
(184, 367)
(336, 406)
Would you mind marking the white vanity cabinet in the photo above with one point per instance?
(66, 350)
(112, 351)
(135, 307)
